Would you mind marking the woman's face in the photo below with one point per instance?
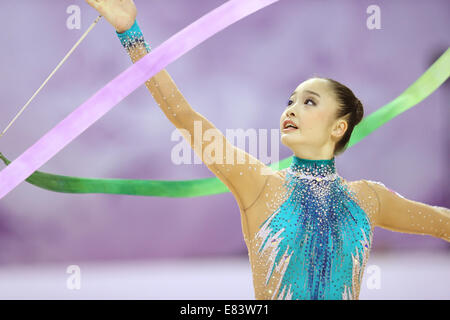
(312, 108)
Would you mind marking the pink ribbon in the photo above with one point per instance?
(121, 86)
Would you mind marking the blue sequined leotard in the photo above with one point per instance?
(317, 241)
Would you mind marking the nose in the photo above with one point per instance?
(290, 112)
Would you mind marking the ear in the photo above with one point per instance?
(339, 128)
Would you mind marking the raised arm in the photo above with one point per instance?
(397, 213)
(242, 173)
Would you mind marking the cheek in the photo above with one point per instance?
(315, 127)
(313, 121)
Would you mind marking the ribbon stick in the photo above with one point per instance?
(430, 81)
(51, 74)
(120, 87)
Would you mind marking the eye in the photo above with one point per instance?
(290, 102)
(313, 103)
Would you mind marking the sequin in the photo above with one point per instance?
(133, 38)
(315, 245)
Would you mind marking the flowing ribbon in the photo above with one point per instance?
(120, 87)
(437, 74)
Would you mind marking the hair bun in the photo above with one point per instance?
(359, 111)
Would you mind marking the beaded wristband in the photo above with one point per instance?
(132, 37)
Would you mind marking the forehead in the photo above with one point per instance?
(316, 85)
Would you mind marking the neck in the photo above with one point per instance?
(325, 151)
(320, 168)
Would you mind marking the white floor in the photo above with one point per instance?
(399, 276)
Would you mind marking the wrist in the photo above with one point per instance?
(126, 27)
(132, 37)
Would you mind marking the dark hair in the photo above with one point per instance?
(349, 105)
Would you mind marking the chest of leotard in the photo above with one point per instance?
(317, 241)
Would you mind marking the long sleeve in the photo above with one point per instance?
(244, 175)
(397, 213)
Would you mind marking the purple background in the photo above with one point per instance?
(240, 78)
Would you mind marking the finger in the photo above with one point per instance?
(93, 3)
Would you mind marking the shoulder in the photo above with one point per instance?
(373, 183)
(355, 185)
(276, 179)
(273, 175)
(373, 189)
(369, 185)
(365, 182)
(362, 188)
(367, 193)
(381, 189)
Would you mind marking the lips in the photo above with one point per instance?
(289, 125)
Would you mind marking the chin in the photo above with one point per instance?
(290, 140)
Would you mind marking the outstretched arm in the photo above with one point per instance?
(242, 173)
(397, 213)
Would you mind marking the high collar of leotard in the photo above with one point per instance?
(316, 168)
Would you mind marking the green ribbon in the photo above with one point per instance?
(437, 74)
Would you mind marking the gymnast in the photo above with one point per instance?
(308, 230)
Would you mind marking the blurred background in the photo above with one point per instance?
(165, 248)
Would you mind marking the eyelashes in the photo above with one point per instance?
(311, 101)
(289, 102)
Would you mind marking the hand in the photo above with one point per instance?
(119, 13)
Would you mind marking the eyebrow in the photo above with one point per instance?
(312, 92)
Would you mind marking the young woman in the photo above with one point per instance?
(307, 229)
